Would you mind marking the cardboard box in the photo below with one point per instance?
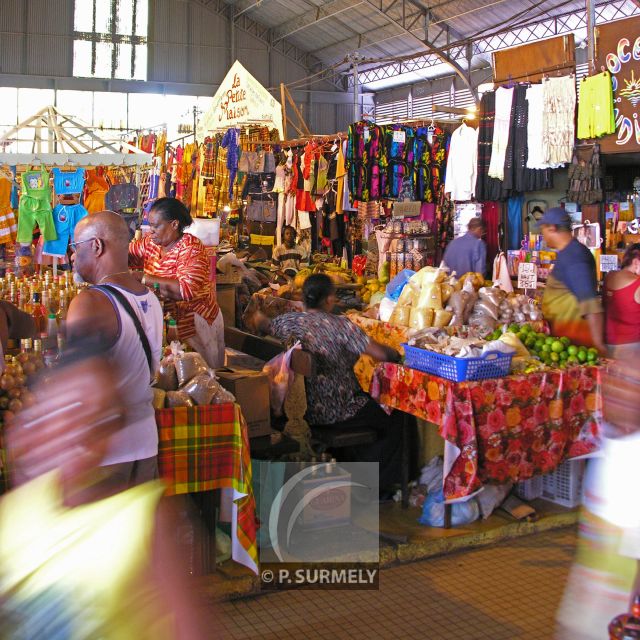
(226, 297)
(251, 389)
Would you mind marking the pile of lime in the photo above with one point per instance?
(555, 352)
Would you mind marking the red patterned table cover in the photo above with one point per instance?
(502, 429)
(205, 448)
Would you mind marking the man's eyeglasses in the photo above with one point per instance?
(74, 245)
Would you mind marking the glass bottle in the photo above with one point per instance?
(39, 313)
(172, 331)
(62, 315)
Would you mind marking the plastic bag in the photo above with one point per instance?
(178, 399)
(421, 318)
(430, 296)
(159, 398)
(461, 512)
(401, 316)
(397, 285)
(491, 497)
(166, 376)
(205, 389)
(442, 318)
(280, 376)
(189, 365)
(409, 296)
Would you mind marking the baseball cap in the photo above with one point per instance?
(555, 216)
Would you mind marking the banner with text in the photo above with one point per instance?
(239, 101)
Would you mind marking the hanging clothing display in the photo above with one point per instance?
(535, 136)
(8, 225)
(363, 161)
(491, 219)
(35, 207)
(67, 182)
(422, 165)
(462, 163)
(595, 108)
(514, 222)
(501, 128)
(558, 117)
(96, 190)
(519, 179)
(65, 219)
(230, 143)
(398, 153)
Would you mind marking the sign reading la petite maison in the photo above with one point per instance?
(240, 100)
(618, 51)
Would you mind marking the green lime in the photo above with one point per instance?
(525, 328)
(557, 346)
(565, 341)
(549, 340)
(572, 359)
(541, 336)
(582, 355)
(592, 357)
(564, 356)
(592, 351)
(572, 350)
(530, 341)
(514, 327)
(539, 344)
(554, 357)
(546, 348)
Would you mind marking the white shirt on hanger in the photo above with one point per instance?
(462, 165)
(501, 126)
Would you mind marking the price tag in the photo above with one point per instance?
(527, 275)
(399, 136)
(608, 263)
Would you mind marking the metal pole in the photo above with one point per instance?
(356, 109)
(591, 34)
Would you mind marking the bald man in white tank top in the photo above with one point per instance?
(101, 258)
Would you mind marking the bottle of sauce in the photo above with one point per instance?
(39, 313)
(172, 331)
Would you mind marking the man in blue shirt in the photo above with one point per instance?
(571, 302)
(468, 252)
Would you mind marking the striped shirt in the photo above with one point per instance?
(188, 263)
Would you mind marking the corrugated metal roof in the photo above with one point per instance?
(330, 29)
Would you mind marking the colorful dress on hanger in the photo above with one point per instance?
(230, 143)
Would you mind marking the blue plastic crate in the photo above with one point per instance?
(491, 365)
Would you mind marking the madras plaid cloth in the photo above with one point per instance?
(205, 448)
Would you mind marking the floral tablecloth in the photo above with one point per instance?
(502, 429)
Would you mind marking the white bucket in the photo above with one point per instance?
(207, 230)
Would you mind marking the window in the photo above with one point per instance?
(110, 39)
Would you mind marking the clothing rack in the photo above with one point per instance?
(539, 73)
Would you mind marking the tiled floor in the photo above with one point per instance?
(509, 591)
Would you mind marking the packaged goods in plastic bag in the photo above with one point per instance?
(421, 318)
(428, 274)
(159, 398)
(166, 376)
(461, 512)
(401, 316)
(430, 296)
(410, 295)
(397, 284)
(386, 309)
(205, 389)
(189, 365)
(178, 399)
(442, 318)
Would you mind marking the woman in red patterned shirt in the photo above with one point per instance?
(179, 264)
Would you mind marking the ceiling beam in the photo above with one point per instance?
(305, 59)
(312, 18)
(406, 15)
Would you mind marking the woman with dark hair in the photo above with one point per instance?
(334, 395)
(179, 264)
(622, 306)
